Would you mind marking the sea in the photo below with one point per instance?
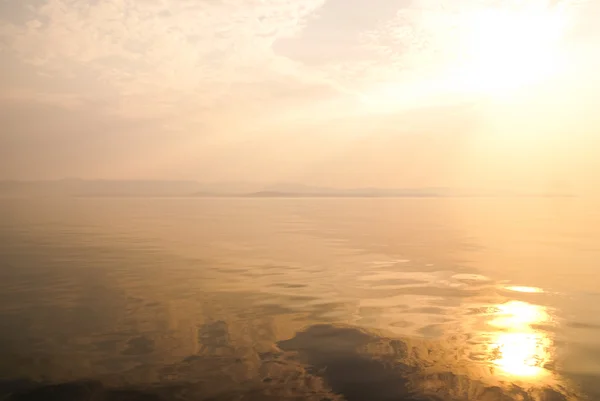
(358, 299)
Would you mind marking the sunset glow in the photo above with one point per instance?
(505, 49)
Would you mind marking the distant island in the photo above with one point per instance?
(337, 194)
(165, 188)
(306, 191)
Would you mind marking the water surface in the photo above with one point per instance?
(356, 299)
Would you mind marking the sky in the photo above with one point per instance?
(343, 93)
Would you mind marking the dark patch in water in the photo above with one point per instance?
(286, 285)
(139, 346)
(232, 270)
(431, 330)
(303, 298)
(431, 310)
(580, 325)
(399, 281)
(82, 391)
(106, 345)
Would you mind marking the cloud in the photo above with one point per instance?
(155, 53)
(173, 58)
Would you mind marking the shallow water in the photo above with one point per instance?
(356, 299)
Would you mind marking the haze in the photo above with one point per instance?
(339, 93)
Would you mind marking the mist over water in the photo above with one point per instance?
(339, 299)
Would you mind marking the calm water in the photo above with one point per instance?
(318, 299)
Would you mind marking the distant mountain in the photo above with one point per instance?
(228, 188)
(350, 193)
(299, 190)
(78, 187)
(140, 188)
(397, 194)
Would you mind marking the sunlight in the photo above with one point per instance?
(519, 315)
(521, 354)
(503, 49)
(519, 350)
(530, 290)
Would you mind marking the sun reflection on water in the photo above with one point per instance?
(518, 288)
(519, 349)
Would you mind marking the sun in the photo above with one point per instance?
(502, 49)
